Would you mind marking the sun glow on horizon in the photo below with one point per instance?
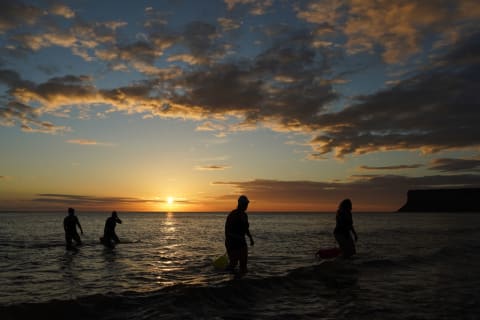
(170, 200)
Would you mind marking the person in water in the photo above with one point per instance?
(70, 224)
(109, 235)
(236, 227)
(344, 229)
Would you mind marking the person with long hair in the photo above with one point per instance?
(344, 232)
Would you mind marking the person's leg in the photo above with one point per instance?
(353, 250)
(233, 256)
(115, 238)
(243, 259)
(76, 237)
(68, 240)
(346, 245)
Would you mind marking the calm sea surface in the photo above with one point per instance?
(409, 266)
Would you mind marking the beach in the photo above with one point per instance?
(408, 266)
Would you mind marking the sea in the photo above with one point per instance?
(408, 266)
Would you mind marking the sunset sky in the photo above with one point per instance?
(184, 105)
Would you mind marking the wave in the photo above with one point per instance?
(54, 244)
(305, 292)
(193, 301)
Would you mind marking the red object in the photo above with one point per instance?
(329, 253)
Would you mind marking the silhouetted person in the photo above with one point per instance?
(344, 229)
(236, 227)
(70, 224)
(109, 235)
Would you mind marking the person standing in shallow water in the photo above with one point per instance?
(344, 229)
(70, 224)
(236, 227)
(109, 235)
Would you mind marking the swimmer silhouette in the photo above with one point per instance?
(70, 224)
(110, 238)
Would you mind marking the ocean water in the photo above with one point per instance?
(408, 266)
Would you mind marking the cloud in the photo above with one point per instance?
(432, 111)
(36, 42)
(251, 88)
(44, 127)
(83, 200)
(203, 41)
(211, 126)
(14, 113)
(257, 7)
(52, 201)
(80, 37)
(454, 165)
(88, 142)
(326, 13)
(397, 167)
(16, 13)
(394, 26)
(199, 39)
(368, 192)
(283, 87)
(64, 92)
(58, 92)
(228, 24)
(212, 167)
(187, 58)
(62, 10)
(140, 55)
(398, 28)
(289, 86)
(155, 19)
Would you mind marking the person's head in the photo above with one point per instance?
(345, 205)
(243, 202)
(114, 214)
(71, 211)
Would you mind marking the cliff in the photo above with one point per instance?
(443, 200)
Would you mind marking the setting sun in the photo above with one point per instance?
(170, 200)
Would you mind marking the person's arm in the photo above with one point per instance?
(80, 226)
(247, 232)
(250, 236)
(118, 220)
(354, 233)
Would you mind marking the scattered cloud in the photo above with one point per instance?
(398, 28)
(288, 86)
(82, 200)
(81, 37)
(62, 10)
(15, 13)
(250, 89)
(228, 24)
(397, 167)
(26, 117)
(257, 7)
(187, 58)
(454, 165)
(88, 142)
(36, 42)
(212, 168)
(368, 192)
(432, 111)
(211, 126)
